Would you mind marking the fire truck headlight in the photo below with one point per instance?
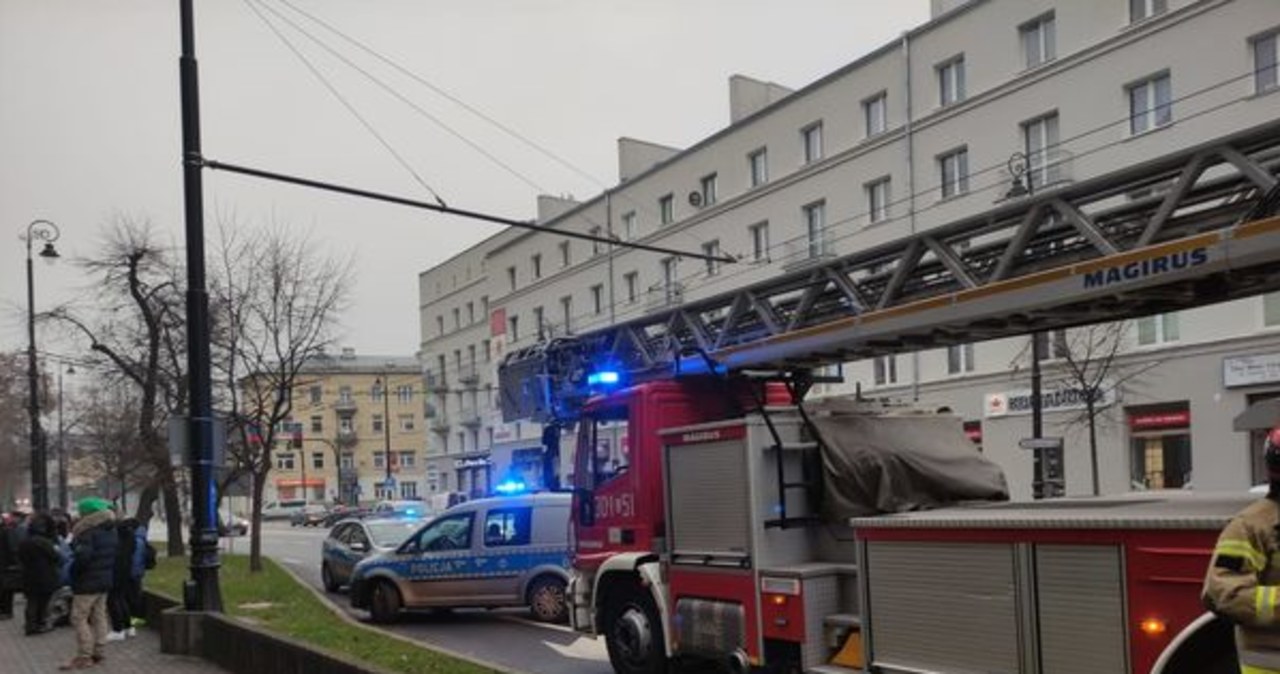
(1153, 627)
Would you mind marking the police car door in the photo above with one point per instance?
(504, 556)
(441, 563)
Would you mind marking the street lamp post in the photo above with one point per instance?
(48, 233)
(384, 384)
(1019, 166)
(63, 501)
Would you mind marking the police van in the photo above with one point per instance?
(502, 551)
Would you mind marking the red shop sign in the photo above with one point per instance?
(973, 429)
(1157, 420)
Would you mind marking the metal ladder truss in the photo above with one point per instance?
(1163, 235)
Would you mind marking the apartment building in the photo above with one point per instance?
(356, 421)
(915, 135)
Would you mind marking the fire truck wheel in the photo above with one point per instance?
(633, 632)
(384, 602)
(546, 599)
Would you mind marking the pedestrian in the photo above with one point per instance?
(125, 599)
(93, 544)
(10, 567)
(40, 565)
(1241, 582)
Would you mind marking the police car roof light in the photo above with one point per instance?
(510, 487)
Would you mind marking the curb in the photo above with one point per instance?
(341, 613)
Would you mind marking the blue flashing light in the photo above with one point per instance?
(603, 378)
(411, 512)
(510, 487)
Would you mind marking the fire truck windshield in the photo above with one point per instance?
(601, 455)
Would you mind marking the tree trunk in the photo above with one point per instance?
(255, 527)
(1093, 440)
(146, 503)
(174, 522)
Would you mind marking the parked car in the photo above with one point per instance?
(232, 525)
(503, 551)
(405, 508)
(341, 512)
(282, 510)
(312, 515)
(352, 540)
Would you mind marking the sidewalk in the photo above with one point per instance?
(41, 654)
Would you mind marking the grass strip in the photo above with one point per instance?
(273, 600)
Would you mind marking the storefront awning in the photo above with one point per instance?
(1259, 416)
(295, 482)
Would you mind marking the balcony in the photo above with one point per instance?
(470, 417)
(436, 383)
(469, 375)
(345, 407)
(347, 437)
(802, 252)
(664, 295)
(439, 424)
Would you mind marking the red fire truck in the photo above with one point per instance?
(711, 535)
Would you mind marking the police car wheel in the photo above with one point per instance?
(546, 599)
(384, 602)
(326, 578)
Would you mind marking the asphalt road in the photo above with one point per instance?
(505, 637)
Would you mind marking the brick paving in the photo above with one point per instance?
(41, 654)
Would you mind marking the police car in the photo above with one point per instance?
(352, 540)
(502, 551)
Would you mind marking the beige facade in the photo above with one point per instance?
(347, 410)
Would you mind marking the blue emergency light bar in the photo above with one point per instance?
(603, 378)
(510, 487)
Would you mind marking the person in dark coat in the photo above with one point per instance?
(93, 544)
(40, 562)
(121, 599)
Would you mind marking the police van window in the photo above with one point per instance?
(607, 442)
(507, 527)
(447, 533)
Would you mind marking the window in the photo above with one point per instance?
(815, 216)
(452, 532)
(1145, 9)
(951, 81)
(629, 225)
(1264, 62)
(376, 391)
(511, 280)
(1038, 41)
(317, 459)
(708, 188)
(1271, 310)
(539, 321)
(666, 209)
(758, 162)
(344, 394)
(1150, 104)
(712, 248)
(597, 299)
(1158, 329)
(564, 254)
(1053, 344)
(409, 490)
(508, 526)
(404, 392)
(317, 424)
(885, 370)
(632, 281)
(317, 393)
(959, 358)
(954, 170)
(811, 138)
(377, 423)
(487, 347)
(595, 245)
(348, 460)
(759, 241)
(406, 422)
(457, 318)
(874, 111)
(471, 313)
(878, 199)
(514, 324)
(1040, 145)
(566, 313)
(345, 425)
(670, 280)
(284, 461)
(406, 459)
(535, 263)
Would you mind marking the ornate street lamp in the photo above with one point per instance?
(48, 233)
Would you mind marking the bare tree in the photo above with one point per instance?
(109, 437)
(14, 454)
(276, 301)
(137, 326)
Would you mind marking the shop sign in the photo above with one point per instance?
(1066, 398)
(294, 482)
(973, 430)
(478, 462)
(1151, 421)
(1251, 370)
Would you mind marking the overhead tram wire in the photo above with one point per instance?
(474, 215)
(347, 104)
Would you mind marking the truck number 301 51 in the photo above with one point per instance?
(610, 506)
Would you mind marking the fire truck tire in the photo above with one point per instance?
(1210, 650)
(384, 602)
(633, 632)
(547, 600)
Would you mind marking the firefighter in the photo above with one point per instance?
(1243, 584)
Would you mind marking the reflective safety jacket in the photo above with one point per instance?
(1243, 584)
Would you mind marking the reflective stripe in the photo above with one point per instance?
(1246, 669)
(1264, 602)
(1241, 548)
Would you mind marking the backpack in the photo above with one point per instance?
(149, 560)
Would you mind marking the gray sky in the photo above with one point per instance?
(89, 117)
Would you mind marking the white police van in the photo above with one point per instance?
(502, 551)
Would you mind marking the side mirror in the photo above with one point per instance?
(360, 546)
(586, 508)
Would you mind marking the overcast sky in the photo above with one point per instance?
(89, 117)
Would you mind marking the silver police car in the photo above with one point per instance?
(352, 540)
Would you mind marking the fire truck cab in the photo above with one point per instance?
(703, 540)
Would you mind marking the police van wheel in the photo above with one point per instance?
(546, 600)
(384, 603)
(326, 578)
(633, 632)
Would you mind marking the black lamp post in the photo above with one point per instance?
(63, 501)
(1019, 166)
(48, 233)
(383, 384)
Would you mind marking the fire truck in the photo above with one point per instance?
(714, 536)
